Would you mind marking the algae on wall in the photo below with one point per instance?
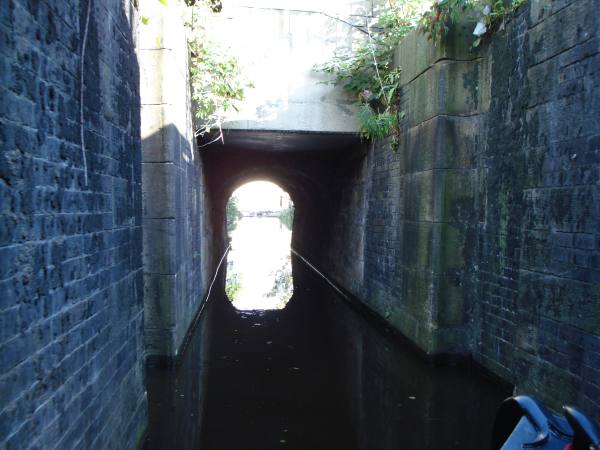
(491, 244)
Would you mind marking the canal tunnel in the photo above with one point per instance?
(324, 372)
(435, 269)
(303, 164)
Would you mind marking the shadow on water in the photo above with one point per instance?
(316, 375)
(176, 395)
(272, 382)
(398, 400)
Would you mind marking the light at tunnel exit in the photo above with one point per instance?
(259, 269)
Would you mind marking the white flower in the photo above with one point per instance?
(366, 95)
(480, 29)
(487, 10)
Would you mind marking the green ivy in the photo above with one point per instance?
(368, 73)
(217, 81)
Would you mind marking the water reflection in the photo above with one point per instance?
(317, 375)
(259, 267)
(396, 400)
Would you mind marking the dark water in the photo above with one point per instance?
(315, 375)
(176, 396)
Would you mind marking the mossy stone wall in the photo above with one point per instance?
(480, 235)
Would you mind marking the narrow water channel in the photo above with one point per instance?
(317, 374)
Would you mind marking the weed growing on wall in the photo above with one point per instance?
(367, 71)
(216, 78)
(490, 15)
(217, 81)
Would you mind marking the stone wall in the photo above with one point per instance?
(480, 235)
(537, 318)
(71, 281)
(409, 213)
(177, 260)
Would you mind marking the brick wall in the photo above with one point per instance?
(481, 234)
(71, 281)
(538, 315)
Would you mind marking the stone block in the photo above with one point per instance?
(160, 246)
(161, 190)
(161, 139)
(451, 307)
(449, 88)
(444, 142)
(418, 201)
(164, 29)
(425, 338)
(417, 294)
(402, 320)
(159, 298)
(158, 341)
(416, 53)
(451, 341)
(151, 89)
(454, 194)
(416, 251)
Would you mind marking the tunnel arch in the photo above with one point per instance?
(296, 191)
(303, 164)
(248, 181)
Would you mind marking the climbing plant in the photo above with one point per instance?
(367, 71)
(216, 78)
(232, 213)
(233, 283)
(217, 81)
(286, 216)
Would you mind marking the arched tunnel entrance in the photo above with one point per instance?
(260, 218)
(303, 164)
(472, 230)
(323, 372)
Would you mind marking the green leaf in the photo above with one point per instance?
(163, 2)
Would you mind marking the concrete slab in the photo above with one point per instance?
(278, 43)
